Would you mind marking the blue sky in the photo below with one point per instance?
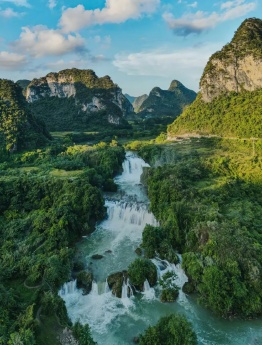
(139, 43)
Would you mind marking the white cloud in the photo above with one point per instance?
(115, 11)
(41, 41)
(182, 64)
(11, 61)
(9, 13)
(52, 4)
(193, 5)
(200, 21)
(230, 4)
(22, 3)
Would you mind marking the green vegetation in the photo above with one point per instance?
(170, 289)
(140, 270)
(170, 330)
(18, 128)
(82, 334)
(49, 198)
(65, 114)
(154, 241)
(232, 115)
(207, 196)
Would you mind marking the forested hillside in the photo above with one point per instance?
(18, 127)
(49, 199)
(233, 115)
(207, 195)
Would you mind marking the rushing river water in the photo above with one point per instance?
(116, 321)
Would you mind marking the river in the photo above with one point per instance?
(116, 321)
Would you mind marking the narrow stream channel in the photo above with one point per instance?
(116, 321)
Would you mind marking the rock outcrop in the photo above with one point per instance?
(238, 66)
(88, 95)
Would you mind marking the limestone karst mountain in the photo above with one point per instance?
(238, 65)
(75, 99)
(230, 101)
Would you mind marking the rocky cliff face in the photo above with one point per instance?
(238, 66)
(91, 95)
(169, 102)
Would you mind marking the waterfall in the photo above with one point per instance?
(68, 288)
(127, 290)
(129, 213)
(163, 266)
(146, 285)
(117, 237)
(124, 290)
(107, 288)
(149, 292)
(132, 169)
(94, 290)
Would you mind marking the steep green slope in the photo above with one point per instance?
(234, 115)
(18, 127)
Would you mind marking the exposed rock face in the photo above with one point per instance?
(91, 95)
(238, 66)
(169, 102)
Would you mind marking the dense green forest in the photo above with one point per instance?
(49, 198)
(232, 115)
(18, 127)
(207, 195)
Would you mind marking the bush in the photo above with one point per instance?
(140, 270)
(170, 330)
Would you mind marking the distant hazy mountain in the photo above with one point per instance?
(169, 102)
(230, 100)
(138, 102)
(130, 98)
(75, 99)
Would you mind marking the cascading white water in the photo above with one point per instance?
(127, 290)
(117, 320)
(94, 289)
(149, 292)
(107, 288)
(68, 288)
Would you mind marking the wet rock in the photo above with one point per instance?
(108, 251)
(115, 282)
(84, 281)
(97, 257)
(138, 251)
(136, 340)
